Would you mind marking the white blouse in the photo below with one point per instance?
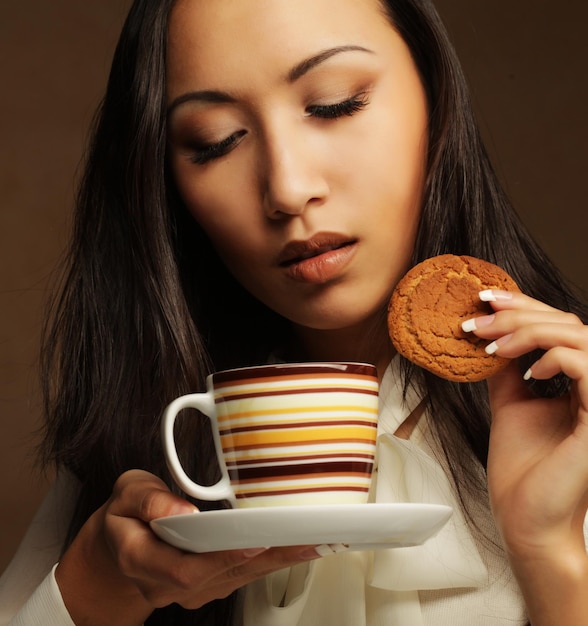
(457, 578)
(29, 595)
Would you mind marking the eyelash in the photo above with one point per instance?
(208, 152)
(348, 107)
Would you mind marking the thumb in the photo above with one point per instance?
(144, 496)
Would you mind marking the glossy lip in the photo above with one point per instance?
(318, 244)
(318, 259)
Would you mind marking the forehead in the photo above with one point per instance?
(209, 38)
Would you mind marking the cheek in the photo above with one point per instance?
(395, 176)
(229, 214)
(237, 242)
(402, 150)
(386, 156)
(219, 205)
(230, 238)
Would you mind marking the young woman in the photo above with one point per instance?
(261, 175)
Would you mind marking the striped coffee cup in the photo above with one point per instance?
(286, 434)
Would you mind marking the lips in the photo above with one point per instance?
(318, 259)
(297, 251)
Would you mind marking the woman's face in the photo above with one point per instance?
(298, 140)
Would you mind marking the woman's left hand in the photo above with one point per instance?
(538, 456)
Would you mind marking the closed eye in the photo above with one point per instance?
(207, 152)
(339, 109)
(202, 154)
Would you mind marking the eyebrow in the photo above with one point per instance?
(305, 66)
(299, 70)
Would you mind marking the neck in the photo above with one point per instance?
(365, 343)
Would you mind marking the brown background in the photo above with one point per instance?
(525, 61)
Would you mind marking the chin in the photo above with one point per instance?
(338, 320)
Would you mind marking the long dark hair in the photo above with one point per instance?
(466, 211)
(146, 310)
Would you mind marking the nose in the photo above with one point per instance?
(292, 178)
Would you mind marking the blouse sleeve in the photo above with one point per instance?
(45, 606)
(29, 594)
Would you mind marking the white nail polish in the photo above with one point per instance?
(495, 295)
(491, 348)
(487, 296)
(331, 548)
(339, 547)
(528, 375)
(468, 326)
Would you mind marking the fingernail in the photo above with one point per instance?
(494, 295)
(528, 375)
(476, 323)
(183, 508)
(491, 348)
(331, 548)
(311, 553)
(251, 552)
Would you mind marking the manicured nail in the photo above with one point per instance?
(528, 375)
(491, 348)
(494, 295)
(331, 548)
(183, 508)
(469, 325)
(477, 322)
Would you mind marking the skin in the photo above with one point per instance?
(291, 175)
(538, 462)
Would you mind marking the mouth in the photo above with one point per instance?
(318, 260)
(322, 243)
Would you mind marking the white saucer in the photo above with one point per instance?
(360, 526)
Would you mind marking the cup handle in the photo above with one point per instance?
(203, 402)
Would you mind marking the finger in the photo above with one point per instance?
(146, 497)
(504, 300)
(545, 336)
(239, 572)
(193, 580)
(573, 363)
(165, 574)
(505, 322)
(254, 563)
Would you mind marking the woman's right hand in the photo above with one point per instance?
(117, 571)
